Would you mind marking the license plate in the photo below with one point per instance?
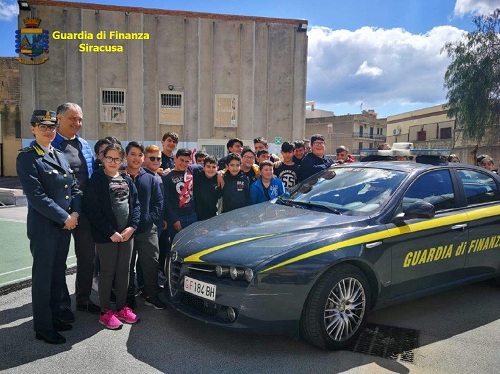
(199, 288)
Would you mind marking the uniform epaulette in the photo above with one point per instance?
(26, 149)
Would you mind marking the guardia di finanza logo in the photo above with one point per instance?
(32, 41)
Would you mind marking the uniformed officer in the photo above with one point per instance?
(53, 209)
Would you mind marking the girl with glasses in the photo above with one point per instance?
(111, 203)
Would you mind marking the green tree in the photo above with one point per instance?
(473, 79)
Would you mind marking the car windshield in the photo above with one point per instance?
(346, 190)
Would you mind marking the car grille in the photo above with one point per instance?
(203, 306)
(174, 271)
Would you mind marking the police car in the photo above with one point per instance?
(356, 237)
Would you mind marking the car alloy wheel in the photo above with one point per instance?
(336, 309)
(344, 309)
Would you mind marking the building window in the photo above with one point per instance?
(421, 136)
(171, 108)
(215, 150)
(445, 133)
(113, 108)
(226, 111)
(215, 147)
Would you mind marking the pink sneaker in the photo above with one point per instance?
(127, 315)
(109, 320)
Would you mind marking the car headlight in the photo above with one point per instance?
(221, 271)
(248, 275)
(234, 272)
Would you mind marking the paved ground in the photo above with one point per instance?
(459, 333)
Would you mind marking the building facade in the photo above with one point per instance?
(138, 73)
(430, 128)
(357, 132)
(10, 115)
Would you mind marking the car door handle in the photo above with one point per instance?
(463, 226)
(372, 245)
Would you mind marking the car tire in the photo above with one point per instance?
(330, 325)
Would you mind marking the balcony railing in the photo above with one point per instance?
(368, 136)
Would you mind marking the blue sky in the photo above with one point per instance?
(383, 55)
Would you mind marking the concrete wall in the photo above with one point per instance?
(263, 61)
(10, 115)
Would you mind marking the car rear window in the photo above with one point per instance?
(478, 187)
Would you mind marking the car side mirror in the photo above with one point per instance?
(420, 209)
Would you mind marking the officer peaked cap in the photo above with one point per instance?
(44, 117)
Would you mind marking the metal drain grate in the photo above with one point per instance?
(390, 342)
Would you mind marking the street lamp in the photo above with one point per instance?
(23, 5)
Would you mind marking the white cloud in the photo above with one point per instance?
(8, 11)
(370, 71)
(377, 66)
(479, 7)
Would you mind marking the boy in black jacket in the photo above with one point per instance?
(206, 190)
(146, 236)
(236, 192)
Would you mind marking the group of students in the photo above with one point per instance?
(134, 200)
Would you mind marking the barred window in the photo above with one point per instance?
(113, 105)
(216, 150)
(171, 100)
(171, 110)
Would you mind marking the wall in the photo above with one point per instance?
(263, 61)
(10, 114)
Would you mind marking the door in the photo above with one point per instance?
(424, 250)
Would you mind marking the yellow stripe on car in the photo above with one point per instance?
(197, 257)
(396, 231)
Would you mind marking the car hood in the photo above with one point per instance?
(251, 235)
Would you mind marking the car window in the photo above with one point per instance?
(350, 190)
(435, 187)
(479, 187)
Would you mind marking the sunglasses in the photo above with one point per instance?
(152, 158)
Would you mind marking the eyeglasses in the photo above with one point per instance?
(153, 159)
(116, 160)
(249, 157)
(44, 128)
(319, 143)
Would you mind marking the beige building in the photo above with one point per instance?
(138, 73)
(430, 128)
(355, 131)
(425, 128)
(10, 116)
